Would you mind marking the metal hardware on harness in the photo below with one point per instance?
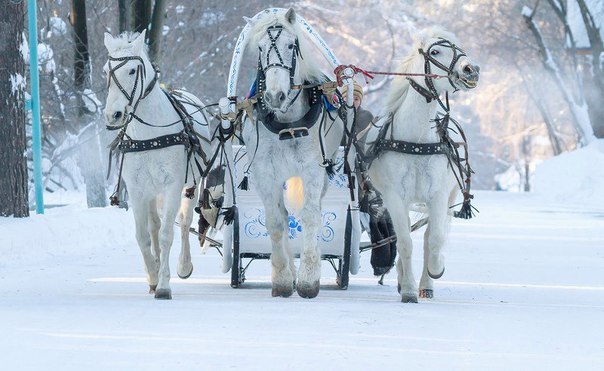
(290, 133)
(129, 145)
(402, 146)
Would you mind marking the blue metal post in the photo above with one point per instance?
(35, 104)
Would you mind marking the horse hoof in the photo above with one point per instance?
(185, 276)
(409, 298)
(309, 291)
(152, 289)
(284, 292)
(436, 276)
(163, 294)
(426, 293)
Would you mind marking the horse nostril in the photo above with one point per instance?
(117, 115)
(468, 69)
(281, 97)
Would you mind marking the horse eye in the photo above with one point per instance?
(132, 71)
(260, 48)
(434, 52)
(290, 46)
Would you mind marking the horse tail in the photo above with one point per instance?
(294, 194)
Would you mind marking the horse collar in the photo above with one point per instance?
(295, 129)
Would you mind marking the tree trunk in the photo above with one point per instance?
(594, 85)
(141, 14)
(578, 108)
(124, 14)
(89, 157)
(13, 158)
(157, 25)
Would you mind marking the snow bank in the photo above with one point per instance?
(574, 177)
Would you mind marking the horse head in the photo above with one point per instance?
(279, 58)
(442, 55)
(130, 77)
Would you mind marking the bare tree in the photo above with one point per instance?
(88, 152)
(13, 172)
(576, 102)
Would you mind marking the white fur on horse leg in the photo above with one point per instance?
(166, 238)
(309, 273)
(400, 220)
(276, 224)
(436, 239)
(185, 218)
(426, 283)
(143, 238)
(154, 223)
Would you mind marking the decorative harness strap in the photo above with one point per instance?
(460, 165)
(130, 145)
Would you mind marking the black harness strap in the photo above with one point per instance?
(130, 145)
(411, 148)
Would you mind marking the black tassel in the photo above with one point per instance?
(229, 214)
(190, 192)
(244, 185)
(203, 227)
(205, 199)
(329, 168)
(466, 211)
(114, 201)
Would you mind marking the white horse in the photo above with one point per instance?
(158, 155)
(290, 135)
(411, 164)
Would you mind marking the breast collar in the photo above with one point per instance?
(295, 129)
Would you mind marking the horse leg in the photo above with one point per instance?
(399, 213)
(309, 273)
(166, 237)
(153, 227)
(143, 211)
(277, 224)
(438, 209)
(426, 283)
(185, 218)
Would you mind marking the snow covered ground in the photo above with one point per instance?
(523, 290)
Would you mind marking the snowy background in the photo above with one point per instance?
(523, 290)
(524, 284)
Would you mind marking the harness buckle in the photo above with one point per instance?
(290, 133)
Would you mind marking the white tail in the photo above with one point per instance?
(294, 194)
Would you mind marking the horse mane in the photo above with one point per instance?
(307, 70)
(124, 41)
(400, 85)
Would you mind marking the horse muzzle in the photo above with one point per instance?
(469, 76)
(275, 100)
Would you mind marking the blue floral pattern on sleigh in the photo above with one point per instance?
(255, 225)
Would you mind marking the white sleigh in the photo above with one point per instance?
(338, 238)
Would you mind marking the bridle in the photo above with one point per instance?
(133, 99)
(273, 33)
(430, 93)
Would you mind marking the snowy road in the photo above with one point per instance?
(523, 290)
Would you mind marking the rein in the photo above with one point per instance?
(124, 144)
(459, 165)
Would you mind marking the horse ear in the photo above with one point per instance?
(109, 42)
(290, 16)
(139, 42)
(249, 21)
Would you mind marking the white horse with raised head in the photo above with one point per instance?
(163, 138)
(291, 135)
(415, 159)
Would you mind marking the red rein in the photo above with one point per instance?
(338, 71)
